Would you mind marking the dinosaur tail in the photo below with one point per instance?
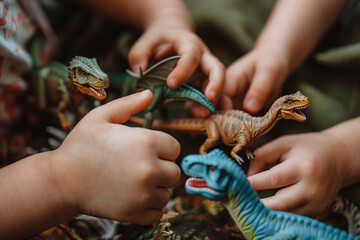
(195, 125)
(186, 92)
(39, 56)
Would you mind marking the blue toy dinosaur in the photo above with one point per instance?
(218, 177)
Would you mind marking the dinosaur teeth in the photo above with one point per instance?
(199, 185)
(98, 91)
(298, 113)
(302, 107)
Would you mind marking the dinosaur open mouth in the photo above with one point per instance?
(297, 112)
(199, 184)
(100, 92)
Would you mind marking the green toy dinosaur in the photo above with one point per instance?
(154, 79)
(65, 86)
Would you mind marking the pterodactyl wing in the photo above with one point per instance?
(156, 74)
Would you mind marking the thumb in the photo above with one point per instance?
(120, 110)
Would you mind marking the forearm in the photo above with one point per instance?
(145, 13)
(30, 200)
(295, 27)
(347, 135)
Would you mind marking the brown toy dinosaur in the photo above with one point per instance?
(237, 128)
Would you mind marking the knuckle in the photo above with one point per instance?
(146, 141)
(176, 148)
(310, 167)
(194, 54)
(275, 180)
(175, 175)
(167, 196)
(192, 38)
(260, 91)
(269, 64)
(282, 205)
(221, 66)
(147, 173)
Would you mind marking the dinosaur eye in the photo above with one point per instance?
(212, 169)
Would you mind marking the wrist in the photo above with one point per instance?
(170, 18)
(63, 180)
(346, 163)
(30, 198)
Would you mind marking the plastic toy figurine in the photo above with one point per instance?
(343, 206)
(218, 177)
(154, 79)
(238, 128)
(65, 86)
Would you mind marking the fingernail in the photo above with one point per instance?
(144, 93)
(172, 83)
(212, 95)
(253, 104)
(136, 68)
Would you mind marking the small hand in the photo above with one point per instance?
(113, 171)
(309, 173)
(255, 79)
(160, 41)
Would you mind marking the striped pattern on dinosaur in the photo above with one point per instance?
(237, 128)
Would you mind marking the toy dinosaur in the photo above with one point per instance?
(350, 211)
(237, 128)
(65, 86)
(154, 79)
(218, 177)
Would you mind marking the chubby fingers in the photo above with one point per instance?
(288, 199)
(281, 175)
(273, 152)
(261, 86)
(120, 110)
(209, 65)
(186, 65)
(166, 146)
(238, 77)
(168, 149)
(141, 52)
(215, 71)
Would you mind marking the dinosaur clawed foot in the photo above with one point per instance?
(238, 159)
(67, 127)
(250, 156)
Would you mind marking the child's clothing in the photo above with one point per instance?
(16, 29)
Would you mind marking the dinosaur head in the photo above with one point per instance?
(291, 106)
(210, 174)
(87, 77)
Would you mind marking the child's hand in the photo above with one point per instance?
(256, 79)
(310, 172)
(113, 171)
(160, 41)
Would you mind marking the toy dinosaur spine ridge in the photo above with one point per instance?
(35, 52)
(240, 191)
(242, 202)
(40, 92)
(193, 94)
(265, 123)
